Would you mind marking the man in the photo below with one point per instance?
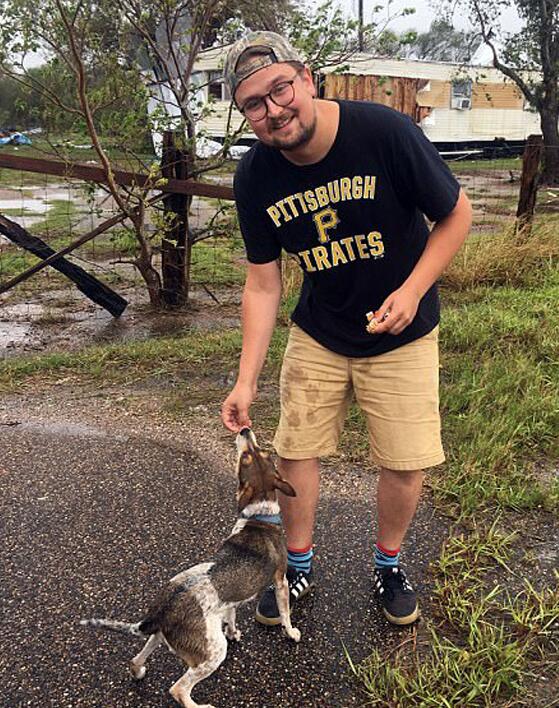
(343, 186)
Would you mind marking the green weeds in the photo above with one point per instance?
(484, 644)
(123, 362)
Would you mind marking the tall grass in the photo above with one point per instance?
(505, 257)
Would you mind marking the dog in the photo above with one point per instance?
(189, 614)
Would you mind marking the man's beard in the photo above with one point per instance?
(293, 142)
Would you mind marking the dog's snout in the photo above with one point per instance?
(246, 440)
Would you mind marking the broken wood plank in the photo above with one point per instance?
(103, 226)
(89, 285)
(93, 173)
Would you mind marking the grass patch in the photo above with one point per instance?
(500, 403)
(58, 222)
(218, 261)
(16, 179)
(14, 263)
(505, 258)
(123, 362)
(121, 240)
(19, 212)
(486, 645)
(485, 166)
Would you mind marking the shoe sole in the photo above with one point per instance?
(400, 621)
(274, 621)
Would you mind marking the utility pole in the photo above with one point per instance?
(360, 25)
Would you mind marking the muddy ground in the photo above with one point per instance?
(62, 319)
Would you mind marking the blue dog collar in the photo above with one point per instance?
(266, 518)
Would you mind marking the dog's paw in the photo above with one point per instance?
(235, 636)
(138, 672)
(293, 633)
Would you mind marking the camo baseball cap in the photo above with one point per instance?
(257, 50)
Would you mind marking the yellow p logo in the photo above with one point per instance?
(325, 220)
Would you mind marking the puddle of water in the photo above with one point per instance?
(66, 429)
(38, 201)
(12, 333)
(16, 338)
(22, 311)
(38, 207)
(28, 203)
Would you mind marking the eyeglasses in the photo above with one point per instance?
(282, 95)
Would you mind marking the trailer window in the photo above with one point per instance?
(217, 88)
(461, 94)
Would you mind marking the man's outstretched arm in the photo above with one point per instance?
(261, 299)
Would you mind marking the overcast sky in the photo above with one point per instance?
(425, 12)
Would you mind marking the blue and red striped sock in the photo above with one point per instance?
(385, 558)
(300, 558)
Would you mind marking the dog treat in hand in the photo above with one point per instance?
(373, 321)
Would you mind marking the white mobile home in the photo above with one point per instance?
(455, 105)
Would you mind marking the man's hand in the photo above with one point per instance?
(234, 411)
(397, 311)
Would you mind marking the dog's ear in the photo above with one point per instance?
(284, 487)
(245, 495)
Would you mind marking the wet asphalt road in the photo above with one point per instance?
(92, 522)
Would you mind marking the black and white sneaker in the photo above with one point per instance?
(299, 585)
(396, 595)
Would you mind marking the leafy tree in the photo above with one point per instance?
(94, 82)
(327, 38)
(444, 43)
(273, 16)
(530, 58)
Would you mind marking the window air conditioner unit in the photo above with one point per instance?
(461, 103)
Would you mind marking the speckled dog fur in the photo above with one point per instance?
(189, 614)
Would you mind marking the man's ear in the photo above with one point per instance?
(244, 496)
(284, 487)
(307, 77)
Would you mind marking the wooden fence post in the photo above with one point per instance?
(174, 246)
(531, 160)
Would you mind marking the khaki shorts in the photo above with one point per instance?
(398, 393)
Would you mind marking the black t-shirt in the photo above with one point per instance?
(354, 221)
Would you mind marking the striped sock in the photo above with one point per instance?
(385, 558)
(300, 558)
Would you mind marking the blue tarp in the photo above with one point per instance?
(15, 139)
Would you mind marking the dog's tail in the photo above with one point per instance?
(115, 626)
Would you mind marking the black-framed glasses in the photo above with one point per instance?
(282, 95)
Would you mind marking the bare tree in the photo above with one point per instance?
(530, 58)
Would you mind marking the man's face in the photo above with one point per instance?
(288, 127)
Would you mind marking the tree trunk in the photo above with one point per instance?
(550, 131)
(152, 280)
(529, 182)
(174, 257)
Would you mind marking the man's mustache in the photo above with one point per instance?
(275, 122)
